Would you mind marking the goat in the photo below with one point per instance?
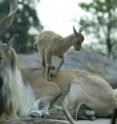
(81, 87)
(51, 44)
(19, 97)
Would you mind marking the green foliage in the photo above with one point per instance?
(25, 19)
(102, 23)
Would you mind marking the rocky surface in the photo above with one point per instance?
(56, 117)
(52, 121)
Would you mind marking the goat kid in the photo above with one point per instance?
(19, 97)
(51, 44)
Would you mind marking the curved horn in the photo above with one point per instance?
(80, 30)
(6, 22)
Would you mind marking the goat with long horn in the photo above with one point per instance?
(20, 97)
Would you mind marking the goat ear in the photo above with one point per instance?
(10, 42)
(74, 30)
(80, 29)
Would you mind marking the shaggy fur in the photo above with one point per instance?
(19, 97)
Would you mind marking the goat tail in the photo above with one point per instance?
(65, 110)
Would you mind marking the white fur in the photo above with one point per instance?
(21, 95)
(28, 101)
(14, 83)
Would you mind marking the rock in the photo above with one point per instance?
(35, 121)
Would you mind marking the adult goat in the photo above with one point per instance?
(20, 97)
(80, 87)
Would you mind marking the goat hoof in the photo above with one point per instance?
(39, 114)
(54, 72)
(89, 113)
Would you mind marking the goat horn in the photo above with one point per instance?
(6, 22)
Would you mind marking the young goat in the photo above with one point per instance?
(51, 44)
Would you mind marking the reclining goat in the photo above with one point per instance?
(78, 88)
(51, 44)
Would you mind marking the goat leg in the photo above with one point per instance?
(114, 116)
(59, 66)
(48, 65)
